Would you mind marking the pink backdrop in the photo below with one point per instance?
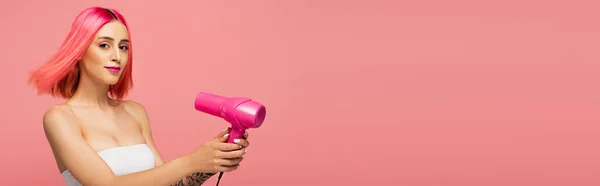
(453, 93)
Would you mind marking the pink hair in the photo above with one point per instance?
(59, 76)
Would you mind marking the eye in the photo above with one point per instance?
(124, 47)
(103, 45)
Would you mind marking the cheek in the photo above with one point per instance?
(92, 61)
(94, 57)
(124, 59)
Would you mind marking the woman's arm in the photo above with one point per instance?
(139, 113)
(64, 136)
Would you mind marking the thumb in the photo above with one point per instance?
(223, 136)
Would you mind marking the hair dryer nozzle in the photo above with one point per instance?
(242, 113)
(251, 114)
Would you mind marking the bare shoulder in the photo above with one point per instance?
(62, 129)
(71, 150)
(58, 117)
(136, 109)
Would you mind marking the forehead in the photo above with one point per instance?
(113, 29)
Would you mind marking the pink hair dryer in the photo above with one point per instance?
(242, 113)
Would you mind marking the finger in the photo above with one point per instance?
(226, 131)
(245, 136)
(223, 136)
(229, 162)
(244, 143)
(232, 154)
(226, 147)
(227, 168)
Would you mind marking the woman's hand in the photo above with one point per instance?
(243, 146)
(217, 155)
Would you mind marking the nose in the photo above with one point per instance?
(116, 57)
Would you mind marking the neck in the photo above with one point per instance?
(90, 93)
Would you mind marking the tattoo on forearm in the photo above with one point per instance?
(195, 179)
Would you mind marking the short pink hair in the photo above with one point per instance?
(59, 76)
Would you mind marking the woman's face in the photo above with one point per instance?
(107, 56)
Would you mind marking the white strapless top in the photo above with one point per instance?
(122, 160)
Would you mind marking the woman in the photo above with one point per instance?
(97, 137)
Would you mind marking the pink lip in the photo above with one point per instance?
(113, 68)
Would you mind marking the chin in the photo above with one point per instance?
(111, 81)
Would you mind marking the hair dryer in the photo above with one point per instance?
(242, 113)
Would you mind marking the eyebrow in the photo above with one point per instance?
(110, 38)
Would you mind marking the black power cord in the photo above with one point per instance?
(219, 179)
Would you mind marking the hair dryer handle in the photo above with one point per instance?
(235, 133)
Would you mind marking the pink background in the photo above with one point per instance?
(419, 93)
